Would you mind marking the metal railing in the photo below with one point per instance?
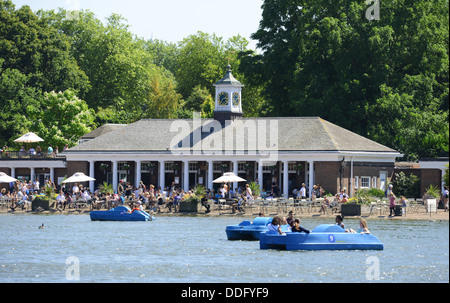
(14, 155)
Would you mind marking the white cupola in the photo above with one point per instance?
(228, 98)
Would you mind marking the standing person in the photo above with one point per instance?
(303, 192)
(392, 198)
(248, 192)
(403, 202)
(445, 198)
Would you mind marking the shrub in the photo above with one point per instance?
(406, 186)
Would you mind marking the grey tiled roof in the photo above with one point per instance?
(294, 134)
(104, 129)
(228, 79)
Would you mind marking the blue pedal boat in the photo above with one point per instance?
(323, 237)
(247, 230)
(121, 213)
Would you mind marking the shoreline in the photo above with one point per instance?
(440, 215)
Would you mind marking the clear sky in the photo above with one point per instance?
(170, 20)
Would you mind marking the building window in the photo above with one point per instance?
(123, 166)
(365, 182)
(374, 182)
(193, 166)
(146, 167)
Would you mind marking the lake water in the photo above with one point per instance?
(195, 249)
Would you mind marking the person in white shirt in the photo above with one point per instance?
(302, 194)
(248, 192)
(75, 189)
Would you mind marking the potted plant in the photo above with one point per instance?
(43, 201)
(106, 188)
(298, 168)
(189, 203)
(256, 191)
(351, 208)
(104, 167)
(430, 198)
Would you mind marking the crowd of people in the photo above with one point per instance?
(22, 193)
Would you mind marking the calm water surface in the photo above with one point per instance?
(195, 249)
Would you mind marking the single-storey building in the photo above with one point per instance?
(279, 152)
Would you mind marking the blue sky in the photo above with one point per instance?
(170, 20)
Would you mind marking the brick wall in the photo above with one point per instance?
(429, 177)
(77, 166)
(328, 176)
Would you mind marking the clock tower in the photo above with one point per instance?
(228, 98)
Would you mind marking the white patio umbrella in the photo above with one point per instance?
(29, 138)
(229, 178)
(4, 178)
(78, 177)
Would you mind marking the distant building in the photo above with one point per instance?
(275, 152)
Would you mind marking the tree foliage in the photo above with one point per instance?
(385, 79)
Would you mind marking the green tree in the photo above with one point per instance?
(201, 62)
(162, 101)
(15, 98)
(120, 67)
(62, 119)
(38, 51)
(408, 186)
(323, 58)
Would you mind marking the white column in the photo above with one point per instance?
(92, 175)
(52, 174)
(13, 172)
(115, 175)
(311, 177)
(260, 174)
(162, 174)
(442, 179)
(236, 172)
(186, 175)
(32, 174)
(286, 179)
(137, 178)
(210, 174)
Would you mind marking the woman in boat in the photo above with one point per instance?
(276, 225)
(362, 228)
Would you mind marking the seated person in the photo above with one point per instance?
(263, 194)
(205, 203)
(339, 222)
(276, 225)
(325, 205)
(362, 228)
(297, 228)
